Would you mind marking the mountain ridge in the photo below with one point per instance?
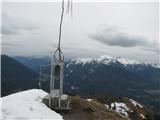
(15, 76)
(106, 59)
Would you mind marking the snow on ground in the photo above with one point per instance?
(27, 105)
(120, 108)
(89, 100)
(135, 103)
(107, 106)
(142, 116)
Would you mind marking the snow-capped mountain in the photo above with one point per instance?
(126, 72)
(107, 60)
(114, 75)
(106, 68)
(27, 105)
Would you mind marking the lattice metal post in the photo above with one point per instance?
(57, 71)
(40, 73)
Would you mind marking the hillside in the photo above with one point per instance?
(15, 76)
(116, 109)
(33, 62)
(28, 105)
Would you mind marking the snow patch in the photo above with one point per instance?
(142, 116)
(127, 61)
(120, 108)
(68, 65)
(156, 66)
(107, 106)
(89, 100)
(27, 105)
(82, 61)
(136, 103)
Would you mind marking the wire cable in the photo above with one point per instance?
(60, 27)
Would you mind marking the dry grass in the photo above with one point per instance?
(89, 110)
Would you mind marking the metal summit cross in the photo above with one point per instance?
(58, 100)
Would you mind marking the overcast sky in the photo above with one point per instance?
(127, 29)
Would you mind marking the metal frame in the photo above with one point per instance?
(57, 64)
(57, 60)
(40, 75)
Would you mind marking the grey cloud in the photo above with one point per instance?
(156, 50)
(6, 44)
(12, 26)
(114, 36)
(7, 30)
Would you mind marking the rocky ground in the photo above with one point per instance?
(117, 109)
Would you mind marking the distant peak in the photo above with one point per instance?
(81, 60)
(126, 61)
(106, 59)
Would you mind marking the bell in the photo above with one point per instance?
(57, 69)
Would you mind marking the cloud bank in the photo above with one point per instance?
(11, 26)
(115, 36)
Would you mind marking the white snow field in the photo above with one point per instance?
(27, 105)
